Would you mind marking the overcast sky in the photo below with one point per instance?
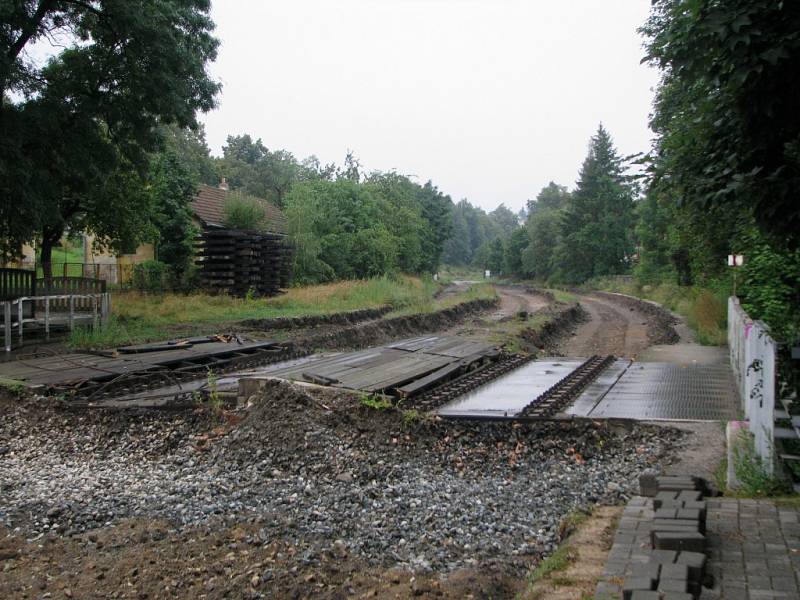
(490, 99)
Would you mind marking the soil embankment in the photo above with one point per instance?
(383, 330)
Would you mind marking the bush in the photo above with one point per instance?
(752, 473)
(150, 276)
(243, 212)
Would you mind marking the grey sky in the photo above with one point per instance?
(491, 99)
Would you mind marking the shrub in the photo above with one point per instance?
(752, 474)
(243, 212)
(150, 276)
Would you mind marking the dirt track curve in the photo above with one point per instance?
(611, 329)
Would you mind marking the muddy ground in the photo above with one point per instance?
(311, 494)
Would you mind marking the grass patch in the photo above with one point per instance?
(141, 317)
(480, 291)
(557, 561)
(572, 522)
(754, 480)
(705, 309)
(375, 402)
(450, 274)
(12, 386)
(721, 475)
(563, 296)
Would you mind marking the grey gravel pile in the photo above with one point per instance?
(428, 495)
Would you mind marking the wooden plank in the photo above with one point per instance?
(429, 381)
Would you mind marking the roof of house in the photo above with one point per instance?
(209, 206)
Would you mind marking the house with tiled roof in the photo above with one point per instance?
(208, 212)
(208, 208)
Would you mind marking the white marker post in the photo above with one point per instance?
(735, 261)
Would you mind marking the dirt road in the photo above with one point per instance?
(514, 300)
(611, 329)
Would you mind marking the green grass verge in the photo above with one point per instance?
(563, 296)
(557, 561)
(145, 317)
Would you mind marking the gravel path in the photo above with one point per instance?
(325, 472)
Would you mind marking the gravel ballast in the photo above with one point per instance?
(323, 471)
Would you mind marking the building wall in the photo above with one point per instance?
(28, 260)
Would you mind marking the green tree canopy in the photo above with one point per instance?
(726, 118)
(598, 219)
(251, 167)
(77, 130)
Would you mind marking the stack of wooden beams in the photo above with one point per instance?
(241, 262)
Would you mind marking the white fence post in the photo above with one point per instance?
(7, 324)
(20, 317)
(47, 317)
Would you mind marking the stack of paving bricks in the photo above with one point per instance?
(659, 549)
(240, 262)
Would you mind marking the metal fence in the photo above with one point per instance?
(45, 312)
(753, 355)
(115, 274)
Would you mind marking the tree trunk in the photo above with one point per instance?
(50, 238)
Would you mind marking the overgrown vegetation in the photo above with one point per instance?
(12, 386)
(244, 212)
(753, 477)
(558, 561)
(142, 317)
(375, 402)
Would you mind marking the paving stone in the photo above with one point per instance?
(736, 594)
(675, 571)
(758, 582)
(690, 523)
(669, 540)
(756, 567)
(666, 513)
(785, 584)
(690, 496)
(624, 538)
(676, 504)
(663, 556)
(615, 568)
(633, 584)
(751, 549)
(700, 505)
(673, 585)
(687, 513)
(769, 595)
(695, 562)
(607, 591)
(679, 529)
(648, 484)
(645, 595)
(650, 571)
(662, 497)
(677, 483)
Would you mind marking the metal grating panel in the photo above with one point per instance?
(665, 391)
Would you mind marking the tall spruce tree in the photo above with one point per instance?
(598, 220)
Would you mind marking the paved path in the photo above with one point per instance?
(753, 549)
